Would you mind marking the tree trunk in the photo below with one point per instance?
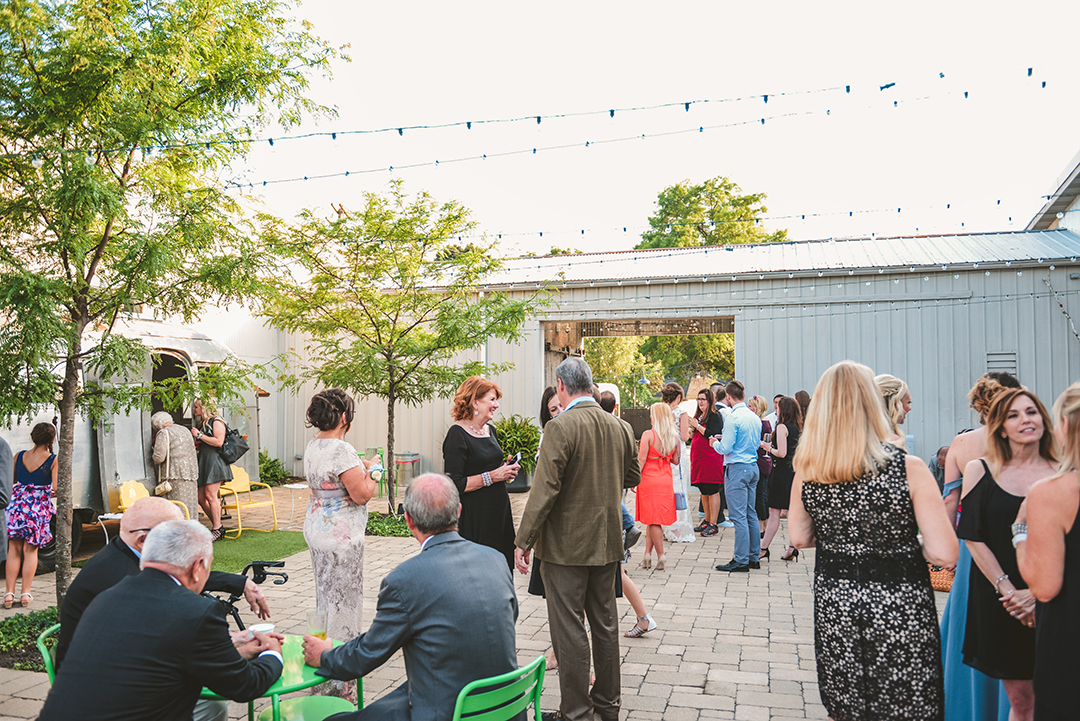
(391, 466)
(65, 450)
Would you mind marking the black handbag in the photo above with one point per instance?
(234, 446)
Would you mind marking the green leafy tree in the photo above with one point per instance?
(388, 310)
(619, 360)
(711, 213)
(114, 119)
(684, 356)
(555, 250)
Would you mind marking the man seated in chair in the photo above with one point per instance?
(146, 647)
(451, 608)
(120, 559)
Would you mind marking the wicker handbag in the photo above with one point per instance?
(940, 578)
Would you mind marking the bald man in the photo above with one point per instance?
(120, 559)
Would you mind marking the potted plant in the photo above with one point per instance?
(518, 434)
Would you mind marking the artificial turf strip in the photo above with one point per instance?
(232, 554)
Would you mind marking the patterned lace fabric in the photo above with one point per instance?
(682, 531)
(875, 624)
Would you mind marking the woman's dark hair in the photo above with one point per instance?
(670, 392)
(545, 414)
(789, 413)
(803, 399)
(324, 411)
(708, 406)
(43, 434)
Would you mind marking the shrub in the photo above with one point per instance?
(271, 471)
(519, 434)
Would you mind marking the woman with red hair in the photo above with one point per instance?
(474, 461)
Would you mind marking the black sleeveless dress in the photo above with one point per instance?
(486, 517)
(1057, 638)
(875, 623)
(783, 473)
(995, 643)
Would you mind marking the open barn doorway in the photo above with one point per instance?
(640, 356)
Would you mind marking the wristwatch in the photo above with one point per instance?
(1019, 533)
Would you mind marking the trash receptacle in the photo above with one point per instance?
(406, 468)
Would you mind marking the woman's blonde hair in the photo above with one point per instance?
(1067, 408)
(758, 405)
(663, 426)
(986, 388)
(893, 391)
(998, 449)
(844, 436)
(209, 406)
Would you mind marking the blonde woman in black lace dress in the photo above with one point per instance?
(862, 502)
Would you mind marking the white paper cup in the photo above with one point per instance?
(262, 628)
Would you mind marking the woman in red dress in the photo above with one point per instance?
(706, 465)
(659, 448)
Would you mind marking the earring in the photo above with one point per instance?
(475, 412)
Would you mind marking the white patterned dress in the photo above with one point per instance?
(682, 531)
(334, 530)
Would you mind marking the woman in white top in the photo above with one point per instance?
(682, 531)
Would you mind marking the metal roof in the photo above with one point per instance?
(1066, 193)
(826, 257)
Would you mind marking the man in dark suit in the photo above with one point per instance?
(451, 608)
(120, 559)
(573, 518)
(145, 648)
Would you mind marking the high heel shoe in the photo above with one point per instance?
(646, 561)
(764, 554)
(660, 562)
(791, 555)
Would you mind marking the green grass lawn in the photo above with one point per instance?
(231, 555)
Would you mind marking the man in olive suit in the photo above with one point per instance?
(574, 520)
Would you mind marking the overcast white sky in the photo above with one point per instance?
(418, 63)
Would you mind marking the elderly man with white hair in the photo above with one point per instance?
(145, 648)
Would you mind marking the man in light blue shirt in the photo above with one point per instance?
(739, 444)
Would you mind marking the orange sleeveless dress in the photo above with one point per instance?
(656, 494)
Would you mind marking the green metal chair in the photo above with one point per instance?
(305, 708)
(500, 698)
(46, 652)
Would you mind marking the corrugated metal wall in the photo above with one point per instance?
(932, 329)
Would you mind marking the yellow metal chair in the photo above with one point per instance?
(242, 483)
(131, 491)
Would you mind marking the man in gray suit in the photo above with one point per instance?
(451, 608)
(574, 520)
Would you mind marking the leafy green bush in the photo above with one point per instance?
(385, 524)
(517, 433)
(18, 634)
(271, 471)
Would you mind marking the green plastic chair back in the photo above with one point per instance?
(500, 698)
(306, 708)
(46, 652)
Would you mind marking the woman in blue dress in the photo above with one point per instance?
(969, 694)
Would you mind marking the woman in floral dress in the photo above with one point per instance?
(29, 511)
(341, 485)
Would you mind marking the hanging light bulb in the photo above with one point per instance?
(37, 162)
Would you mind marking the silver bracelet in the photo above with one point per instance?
(486, 478)
(1002, 577)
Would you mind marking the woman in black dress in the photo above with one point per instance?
(999, 639)
(474, 461)
(1049, 558)
(862, 502)
(785, 441)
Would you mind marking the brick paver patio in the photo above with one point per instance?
(728, 646)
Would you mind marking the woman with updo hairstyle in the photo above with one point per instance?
(474, 461)
(897, 398)
(341, 486)
(30, 510)
(1048, 552)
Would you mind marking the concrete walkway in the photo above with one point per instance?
(728, 646)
